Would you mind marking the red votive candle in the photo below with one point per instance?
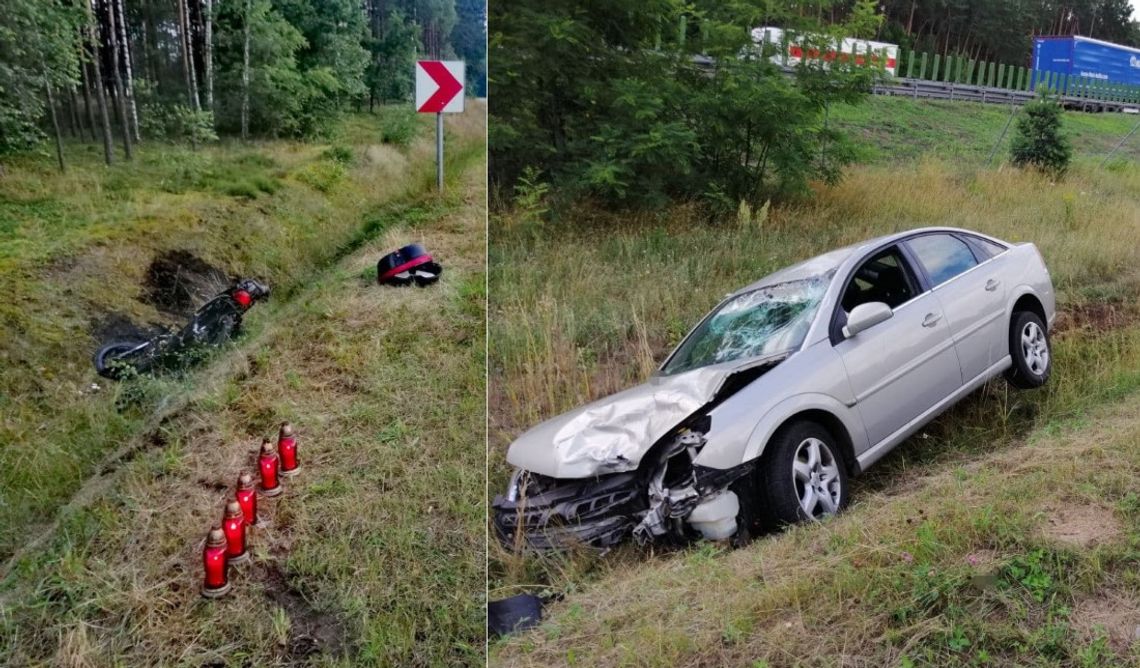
(246, 497)
(287, 450)
(233, 525)
(268, 463)
(216, 583)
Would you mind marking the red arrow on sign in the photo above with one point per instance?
(449, 86)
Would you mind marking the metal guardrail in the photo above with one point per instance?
(925, 89)
(943, 90)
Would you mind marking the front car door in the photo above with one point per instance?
(906, 365)
(968, 284)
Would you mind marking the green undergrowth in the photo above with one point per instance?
(889, 129)
(374, 554)
(74, 255)
(585, 303)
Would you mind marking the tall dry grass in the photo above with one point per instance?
(584, 307)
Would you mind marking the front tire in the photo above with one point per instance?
(106, 357)
(1031, 350)
(802, 476)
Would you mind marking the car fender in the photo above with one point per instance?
(727, 452)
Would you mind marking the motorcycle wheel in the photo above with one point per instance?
(108, 354)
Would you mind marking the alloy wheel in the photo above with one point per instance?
(1035, 348)
(815, 472)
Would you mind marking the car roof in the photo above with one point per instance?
(832, 260)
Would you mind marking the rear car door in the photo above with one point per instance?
(903, 366)
(968, 284)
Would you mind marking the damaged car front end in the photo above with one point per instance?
(667, 498)
(629, 465)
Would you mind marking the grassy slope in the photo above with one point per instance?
(74, 248)
(888, 129)
(374, 554)
(580, 311)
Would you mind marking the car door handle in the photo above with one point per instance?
(931, 319)
(992, 285)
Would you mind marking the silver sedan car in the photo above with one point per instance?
(787, 389)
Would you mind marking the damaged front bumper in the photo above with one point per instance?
(667, 498)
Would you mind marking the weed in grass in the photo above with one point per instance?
(399, 126)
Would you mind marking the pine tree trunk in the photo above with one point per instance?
(208, 23)
(100, 94)
(245, 74)
(187, 56)
(55, 126)
(117, 80)
(190, 51)
(87, 108)
(73, 104)
(127, 66)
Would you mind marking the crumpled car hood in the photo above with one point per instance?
(612, 434)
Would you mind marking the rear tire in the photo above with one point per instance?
(1031, 351)
(802, 475)
(106, 356)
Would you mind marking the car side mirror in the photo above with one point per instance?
(866, 316)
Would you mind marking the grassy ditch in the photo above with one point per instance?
(80, 261)
(374, 555)
(583, 308)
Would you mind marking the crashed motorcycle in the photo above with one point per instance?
(214, 323)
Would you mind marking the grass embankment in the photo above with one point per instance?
(582, 308)
(75, 255)
(889, 129)
(374, 554)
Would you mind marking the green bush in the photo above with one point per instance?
(398, 126)
(176, 123)
(241, 189)
(321, 175)
(266, 184)
(339, 153)
(1038, 141)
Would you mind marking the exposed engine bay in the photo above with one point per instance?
(667, 498)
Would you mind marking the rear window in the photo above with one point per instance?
(943, 256)
(986, 248)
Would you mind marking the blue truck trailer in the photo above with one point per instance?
(1086, 58)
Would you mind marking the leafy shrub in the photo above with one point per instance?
(339, 153)
(398, 126)
(321, 175)
(1038, 141)
(266, 184)
(177, 123)
(241, 189)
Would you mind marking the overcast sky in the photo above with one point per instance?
(1134, 4)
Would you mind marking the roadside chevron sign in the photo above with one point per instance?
(439, 86)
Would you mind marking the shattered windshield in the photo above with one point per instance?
(768, 320)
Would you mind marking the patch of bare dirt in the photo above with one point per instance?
(1111, 613)
(311, 631)
(178, 281)
(1082, 525)
(1095, 317)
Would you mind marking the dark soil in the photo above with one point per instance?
(311, 631)
(177, 282)
(1096, 317)
(118, 327)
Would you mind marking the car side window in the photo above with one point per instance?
(883, 278)
(985, 249)
(943, 256)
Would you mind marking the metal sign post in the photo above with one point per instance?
(439, 151)
(439, 91)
